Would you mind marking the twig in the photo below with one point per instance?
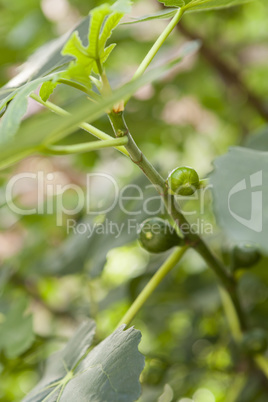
(192, 239)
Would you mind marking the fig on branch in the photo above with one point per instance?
(183, 181)
(157, 236)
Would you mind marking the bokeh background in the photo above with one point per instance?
(212, 100)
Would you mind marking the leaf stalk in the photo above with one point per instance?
(156, 279)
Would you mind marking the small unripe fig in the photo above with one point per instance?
(157, 236)
(245, 256)
(255, 341)
(183, 181)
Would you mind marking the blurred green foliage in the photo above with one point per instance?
(189, 117)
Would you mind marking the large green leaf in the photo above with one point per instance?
(240, 189)
(16, 330)
(109, 372)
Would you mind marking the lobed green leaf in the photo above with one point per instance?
(87, 58)
(109, 372)
(103, 20)
(48, 129)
